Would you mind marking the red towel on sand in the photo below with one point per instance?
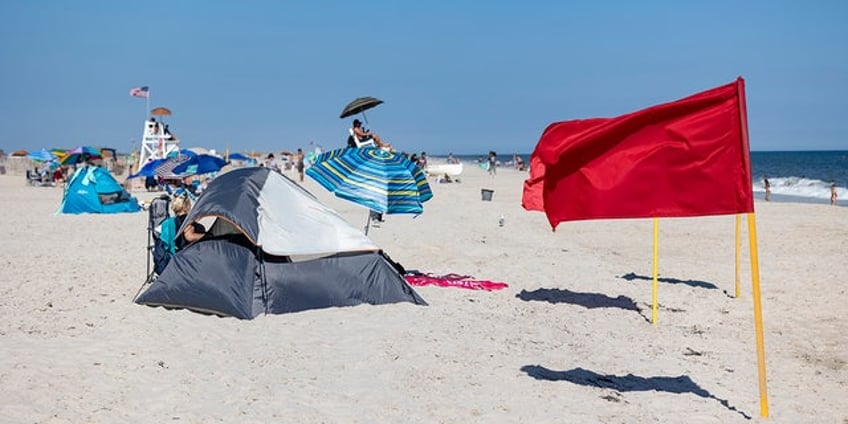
(454, 280)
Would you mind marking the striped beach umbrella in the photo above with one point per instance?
(80, 154)
(149, 169)
(42, 155)
(382, 181)
(166, 168)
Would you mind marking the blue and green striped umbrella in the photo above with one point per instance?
(382, 181)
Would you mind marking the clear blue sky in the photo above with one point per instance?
(459, 76)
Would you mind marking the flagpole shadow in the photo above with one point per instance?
(586, 300)
(628, 383)
(692, 283)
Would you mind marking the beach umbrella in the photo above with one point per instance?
(42, 155)
(200, 164)
(161, 111)
(149, 169)
(166, 168)
(19, 153)
(198, 150)
(359, 105)
(382, 181)
(59, 152)
(80, 154)
(239, 156)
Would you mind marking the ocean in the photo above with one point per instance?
(795, 176)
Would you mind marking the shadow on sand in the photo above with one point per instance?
(693, 283)
(586, 300)
(628, 383)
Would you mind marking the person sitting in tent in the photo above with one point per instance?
(363, 135)
(192, 233)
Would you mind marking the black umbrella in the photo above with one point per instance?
(359, 105)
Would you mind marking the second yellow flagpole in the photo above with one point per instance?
(656, 267)
(758, 314)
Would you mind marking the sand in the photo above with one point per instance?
(568, 341)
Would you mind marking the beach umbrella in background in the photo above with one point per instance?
(59, 152)
(80, 154)
(166, 168)
(382, 181)
(161, 111)
(149, 169)
(198, 150)
(19, 153)
(42, 155)
(200, 164)
(360, 105)
(239, 156)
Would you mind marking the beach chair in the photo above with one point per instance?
(35, 179)
(357, 142)
(157, 213)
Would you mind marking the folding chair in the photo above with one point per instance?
(158, 212)
(358, 143)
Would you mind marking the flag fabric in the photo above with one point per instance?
(689, 157)
(139, 91)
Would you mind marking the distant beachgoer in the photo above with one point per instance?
(422, 160)
(299, 161)
(833, 193)
(273, 163)
(767, 186)
(452, 158)
(492, 161)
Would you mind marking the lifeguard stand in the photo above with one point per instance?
(156, 143)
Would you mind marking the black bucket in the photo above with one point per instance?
(487, 194)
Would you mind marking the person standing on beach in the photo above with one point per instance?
(767, 186)
(299, 163)
(833, 193)
(492, 162)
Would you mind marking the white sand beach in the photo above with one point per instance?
(568, 341)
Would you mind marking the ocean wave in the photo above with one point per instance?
(800, 187)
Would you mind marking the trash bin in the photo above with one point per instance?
(487, 194)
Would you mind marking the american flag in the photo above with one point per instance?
(139, 91)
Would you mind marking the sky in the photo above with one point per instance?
(457, 76)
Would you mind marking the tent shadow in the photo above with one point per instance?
(586, 300)
(628, 383)
(692, 283)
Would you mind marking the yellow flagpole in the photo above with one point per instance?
(758, 314)
(738, 242)
(656, 266)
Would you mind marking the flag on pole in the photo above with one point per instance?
(139, 92)
(683, 158)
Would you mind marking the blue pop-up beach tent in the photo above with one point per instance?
(92, 189)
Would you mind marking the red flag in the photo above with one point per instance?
(689, 157)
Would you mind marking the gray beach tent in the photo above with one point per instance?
(273, 248)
